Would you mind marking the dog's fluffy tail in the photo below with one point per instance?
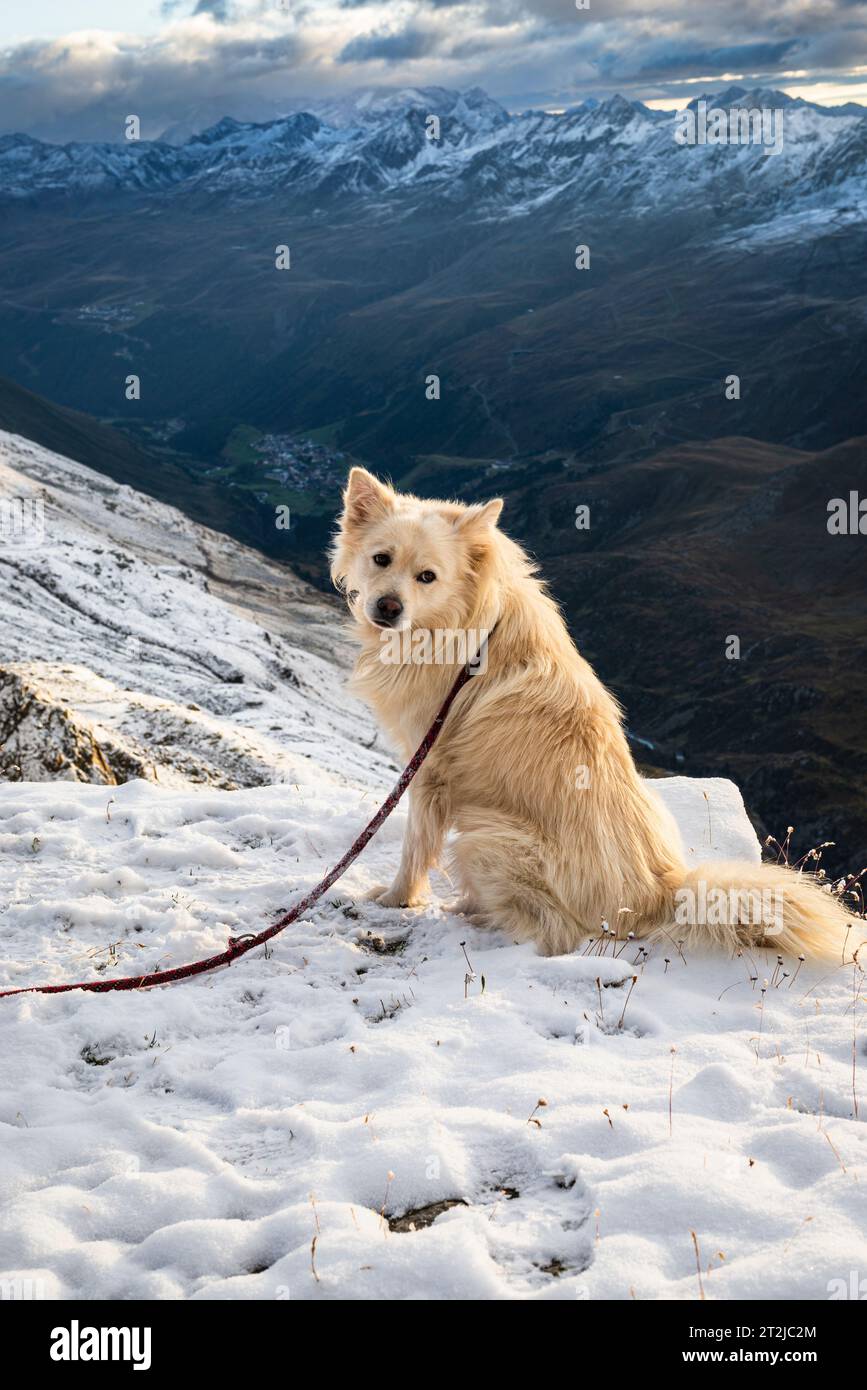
(740, 904)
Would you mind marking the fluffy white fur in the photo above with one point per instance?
(534, 853)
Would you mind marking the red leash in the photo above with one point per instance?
(240, 945)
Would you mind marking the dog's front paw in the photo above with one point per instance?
(374, 894)
(398, 896)
(462, 907)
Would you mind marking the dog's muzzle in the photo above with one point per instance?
(387, 610)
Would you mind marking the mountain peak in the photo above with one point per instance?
(753, 97)
(226, 126)
(618, 109)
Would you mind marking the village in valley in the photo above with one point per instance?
(298, 463)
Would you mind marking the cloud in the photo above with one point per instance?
(243, 56)
(431, 4)
(395, 47)
(220, 9)
(667, 61)
(49, 88)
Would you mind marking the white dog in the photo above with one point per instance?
(534, 854)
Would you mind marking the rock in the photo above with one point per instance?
(43, 740)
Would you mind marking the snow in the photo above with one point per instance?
(194, 1141)
(711, 817)
(190, 1142)
(121, 613)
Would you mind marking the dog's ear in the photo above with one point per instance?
(365, 498)
(482, 517)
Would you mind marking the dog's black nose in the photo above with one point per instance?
(389, 608)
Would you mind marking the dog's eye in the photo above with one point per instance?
(426, 577)
(382, 560)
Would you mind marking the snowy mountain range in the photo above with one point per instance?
(483, 159)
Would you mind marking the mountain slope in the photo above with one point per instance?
(75, 435)
(146, 467)
(688, 548)
(189, 657)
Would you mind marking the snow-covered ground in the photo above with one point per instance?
(192, 1141)
(274, 1131)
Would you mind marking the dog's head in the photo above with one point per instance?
(403, 562)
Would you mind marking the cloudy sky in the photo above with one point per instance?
(73, 69)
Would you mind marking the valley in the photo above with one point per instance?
(559, 387)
